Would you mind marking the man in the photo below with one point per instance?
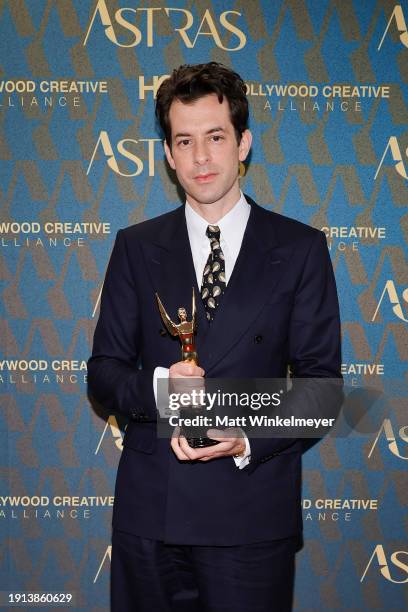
(212, 528)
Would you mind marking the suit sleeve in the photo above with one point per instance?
(314, 344)
(114, 378)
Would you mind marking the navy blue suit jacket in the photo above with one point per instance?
(282, 293)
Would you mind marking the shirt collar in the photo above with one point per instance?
(232, 225)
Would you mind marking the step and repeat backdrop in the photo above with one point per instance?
(81, 157)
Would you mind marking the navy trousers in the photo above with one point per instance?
(150, 576)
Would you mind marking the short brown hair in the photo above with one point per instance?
(190, 82)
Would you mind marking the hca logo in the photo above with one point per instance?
(391, 292)
(393, 445)
(153, 87)
(397, 156)
(122, 149)
(398, 15)
(384, 566)
(207, 26)
(114, 430)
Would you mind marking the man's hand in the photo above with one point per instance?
(183, 369)
(230, 440)
(185, 376)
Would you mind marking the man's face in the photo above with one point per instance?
(204, 151)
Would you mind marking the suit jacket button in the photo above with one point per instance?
(258, 339)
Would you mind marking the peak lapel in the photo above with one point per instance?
(256, 273)
(172, 271)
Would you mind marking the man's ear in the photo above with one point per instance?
(244, 145)
(169, 156)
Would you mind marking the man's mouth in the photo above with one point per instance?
(204, 178)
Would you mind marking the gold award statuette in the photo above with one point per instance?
(185, 331)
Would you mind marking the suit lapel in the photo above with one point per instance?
(170, 263)
(259, 266)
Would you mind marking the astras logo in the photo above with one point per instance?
(397, 16)
(107, 558)
(391, 293)
(124, 150)
(122, 22)
(112, 425)
(399, 156)
(395, 443)
(385, 565)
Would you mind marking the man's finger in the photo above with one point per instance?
(198, 453)
(185, 369)
(227, 435)
(175, 445)
(192, 453)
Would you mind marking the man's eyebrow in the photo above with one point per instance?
(215, 129)
(210, 131)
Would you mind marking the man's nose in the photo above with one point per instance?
(201, 153)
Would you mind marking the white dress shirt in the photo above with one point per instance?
(232, 227)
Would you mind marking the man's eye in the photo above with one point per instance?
(217, 138)
(184, 143)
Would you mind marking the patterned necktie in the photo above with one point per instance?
(213, 284)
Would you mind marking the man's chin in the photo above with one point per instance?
(205, 197)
